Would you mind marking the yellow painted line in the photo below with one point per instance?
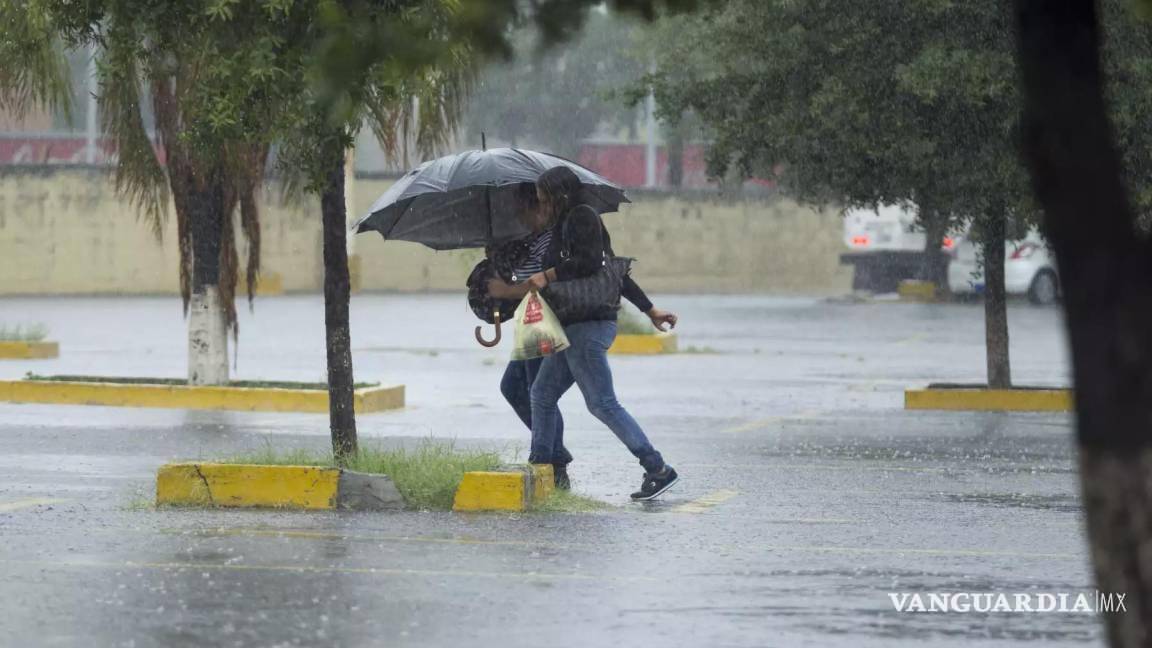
(644, 344)
(8, 507)
(710, 500)
(918, 337)
(29, 350)
(308, 569)
(253, 399)
(989, 400)
(242, 485)
(758, 424)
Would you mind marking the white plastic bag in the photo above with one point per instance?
(538, 331)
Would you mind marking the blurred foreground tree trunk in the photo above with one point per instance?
(337, 291)
(996, 303)
(1107, 280)
(934, 265)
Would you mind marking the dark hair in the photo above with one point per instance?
(525, 196)
(562, 187)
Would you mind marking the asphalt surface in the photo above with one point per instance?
(808, 493)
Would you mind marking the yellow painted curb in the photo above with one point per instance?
(242, 485)
(29, 350)
(269, 283)
(990, 400)
(543, 482)
(251, 399)
(491, 491)
(644, 344)
(921, 291)
(514, 489)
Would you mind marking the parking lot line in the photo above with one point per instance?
(710, 500)
(760, 424)
(8, 507)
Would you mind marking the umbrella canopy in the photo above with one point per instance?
(468, 199)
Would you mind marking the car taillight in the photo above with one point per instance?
(1024, 251)
(860, 241)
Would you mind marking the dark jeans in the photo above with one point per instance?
(585, 363)
(516, 385)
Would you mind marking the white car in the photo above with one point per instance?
(1029, 269)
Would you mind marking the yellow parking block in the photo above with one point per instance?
(492, 491)
(990, 400)
(29, 350)
(644, 344)
(253, 399)
(244, 485)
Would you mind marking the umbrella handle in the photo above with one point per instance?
(495, 340)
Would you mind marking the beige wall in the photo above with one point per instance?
(67, 232)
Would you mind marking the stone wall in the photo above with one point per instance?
(66, 232)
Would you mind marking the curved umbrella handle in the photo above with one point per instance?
(495, 340)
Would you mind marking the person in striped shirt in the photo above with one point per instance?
(516, 384)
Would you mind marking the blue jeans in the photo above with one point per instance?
(516, 385)
(585, 363)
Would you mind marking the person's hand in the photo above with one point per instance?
(660, 318)
(538, 282)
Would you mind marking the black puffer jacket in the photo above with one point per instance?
(588, 243)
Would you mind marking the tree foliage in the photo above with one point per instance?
(556, 98)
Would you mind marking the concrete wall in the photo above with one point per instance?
(66, 232)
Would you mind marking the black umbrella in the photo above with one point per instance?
(467, 200)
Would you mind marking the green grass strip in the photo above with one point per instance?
(427, 476)
(18, 333)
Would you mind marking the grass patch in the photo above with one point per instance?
(629, 322)
(561, 501)
(252, 384)
(427, 476)
(18, 333)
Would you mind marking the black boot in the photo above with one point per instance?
(561, 473)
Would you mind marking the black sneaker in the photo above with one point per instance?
(561, 473)
(655, 484)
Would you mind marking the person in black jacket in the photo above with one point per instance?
(578, 248)
(519, 376)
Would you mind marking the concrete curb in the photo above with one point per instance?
(249, 399)
(29, 350)
(256, 486)
(918, 291)
(989, 400)
(508, 488)
(644, 344)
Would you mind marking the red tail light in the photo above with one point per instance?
(1024, 251)
(861, 241)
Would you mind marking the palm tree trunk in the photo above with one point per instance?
(996, 304)
(1107, 282)
(337, 289)
(207, 326)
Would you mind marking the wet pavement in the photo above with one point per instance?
(808, 493)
